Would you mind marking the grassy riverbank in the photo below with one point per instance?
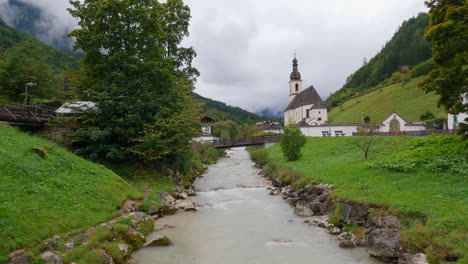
(56, 193)
(432, 204)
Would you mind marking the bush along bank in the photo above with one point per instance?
(354, 224)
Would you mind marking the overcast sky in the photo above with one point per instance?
(245, 47)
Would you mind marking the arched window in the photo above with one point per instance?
(297, 87)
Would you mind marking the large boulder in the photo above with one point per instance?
(51, 257)
(386, 222)
(407, 258)
(384, 243)
(358, 214)
(303, 209)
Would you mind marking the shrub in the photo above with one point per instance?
(423, 68)
(259, 156)
(292, 142)
(209, 156)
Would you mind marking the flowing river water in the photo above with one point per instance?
(238, 222)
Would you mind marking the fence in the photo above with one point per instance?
(420, 133)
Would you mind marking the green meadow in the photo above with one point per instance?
(431, 200)
(408, 100)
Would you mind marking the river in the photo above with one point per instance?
(238, 222)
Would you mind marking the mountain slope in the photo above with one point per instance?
(409, 101)
(10, 37)
(221, 112)
(407, 47)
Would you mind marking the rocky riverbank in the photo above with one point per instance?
(353, 223)
(113, 241)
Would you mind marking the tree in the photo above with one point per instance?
(136, 71)
(253, 131)
(364, 140)
(448, 29)
(28, 63)
(292, 142)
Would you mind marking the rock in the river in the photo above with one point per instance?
(335, 231)
(346, 236)
(407, 258)
(386, 222)
(158, 241)
(184, 205)
(153, 210)
(303, 209)
(347, 244)
(51, 257)
(384, 243)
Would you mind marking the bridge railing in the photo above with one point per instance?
(247, 141)
(14, 112)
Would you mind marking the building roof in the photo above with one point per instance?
(307, 97)
(77, 107)
(269, 125)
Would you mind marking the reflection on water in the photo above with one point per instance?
(238, 222)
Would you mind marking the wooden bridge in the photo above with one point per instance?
(25, 115)
(244, 142)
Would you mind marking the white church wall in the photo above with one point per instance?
(318, 131)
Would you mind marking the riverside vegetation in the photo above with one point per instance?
(422, 181)
(46, 190)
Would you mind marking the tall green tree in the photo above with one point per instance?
(28, 62)
(134, 68)
(448, 29)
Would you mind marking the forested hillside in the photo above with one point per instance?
(406, 48)
(222, 112)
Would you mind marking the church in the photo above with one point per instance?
(307, 111)
(305, 106)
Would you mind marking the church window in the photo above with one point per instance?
(297, 87)
(308, 113)
(319, 119)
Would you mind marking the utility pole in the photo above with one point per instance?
(26, 92)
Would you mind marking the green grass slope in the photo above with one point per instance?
(42, 197)
(438, 197)
(409, 101)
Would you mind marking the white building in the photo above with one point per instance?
(455, 120)
(305, 106)
(307, 110)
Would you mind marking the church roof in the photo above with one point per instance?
(307, 97)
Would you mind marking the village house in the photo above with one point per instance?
(270, 127)
(455, 120)
(307, 110)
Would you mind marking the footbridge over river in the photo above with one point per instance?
(246, 141)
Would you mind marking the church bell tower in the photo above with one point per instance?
(295, 84)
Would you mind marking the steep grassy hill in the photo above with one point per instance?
(407, 47)
(40, 197)
(409, 101)
(423, 181)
